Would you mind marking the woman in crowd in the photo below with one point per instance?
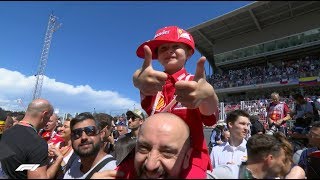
(65, 148)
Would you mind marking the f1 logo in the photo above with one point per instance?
(30, 167)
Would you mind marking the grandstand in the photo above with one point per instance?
(262, 47)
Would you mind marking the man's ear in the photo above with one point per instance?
(141, 121)
(268, 159)
(186, 161)
(44, 114)
(229, 125)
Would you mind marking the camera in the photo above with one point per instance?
(115, 134)
(272, 130)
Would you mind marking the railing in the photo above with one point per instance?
(301, 39)
(253, 107)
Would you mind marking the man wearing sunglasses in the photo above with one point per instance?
(87, 142)
(125, 145)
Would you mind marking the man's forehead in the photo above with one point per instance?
(53, 118)
(157, 144)
(84, 123)
(241, 119)
(160, 138)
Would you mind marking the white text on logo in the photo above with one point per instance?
(161, 33)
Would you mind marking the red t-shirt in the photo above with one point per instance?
(55, 139)
(195, 120)
(51, 137)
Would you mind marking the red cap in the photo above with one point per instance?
(315, 154)
(170, 34)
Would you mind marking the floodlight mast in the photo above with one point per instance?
(52, 27)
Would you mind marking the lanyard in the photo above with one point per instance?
(27, 124)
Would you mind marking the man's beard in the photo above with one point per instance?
(92, 152)
(142, 173)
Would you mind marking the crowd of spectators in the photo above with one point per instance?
(310, 92)
(272, 72)
(228, 140)
(167, 144)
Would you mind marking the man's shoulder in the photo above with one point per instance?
(110, 164)
(74, 170)
(75, 173)
(220, 146)
(21, 136)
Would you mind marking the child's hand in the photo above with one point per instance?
(197, 93)
(146, 79)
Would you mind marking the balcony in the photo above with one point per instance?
(301, 40)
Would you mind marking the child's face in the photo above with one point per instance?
(173, 56)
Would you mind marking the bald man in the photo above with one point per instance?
(28, 146)
(162, 146)
(162, 150)
(48, 133)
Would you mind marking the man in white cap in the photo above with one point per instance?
(125, 145)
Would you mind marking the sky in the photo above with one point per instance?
(92, 56)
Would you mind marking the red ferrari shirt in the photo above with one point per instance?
(51, 137)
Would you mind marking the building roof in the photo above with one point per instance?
(252, 17)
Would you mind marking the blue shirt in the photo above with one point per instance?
(216, 135)
(304, 157)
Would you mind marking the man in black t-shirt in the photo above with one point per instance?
(28, 146)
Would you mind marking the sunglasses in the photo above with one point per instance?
(89, 130)
(131, 117)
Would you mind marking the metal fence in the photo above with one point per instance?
(253, 107)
